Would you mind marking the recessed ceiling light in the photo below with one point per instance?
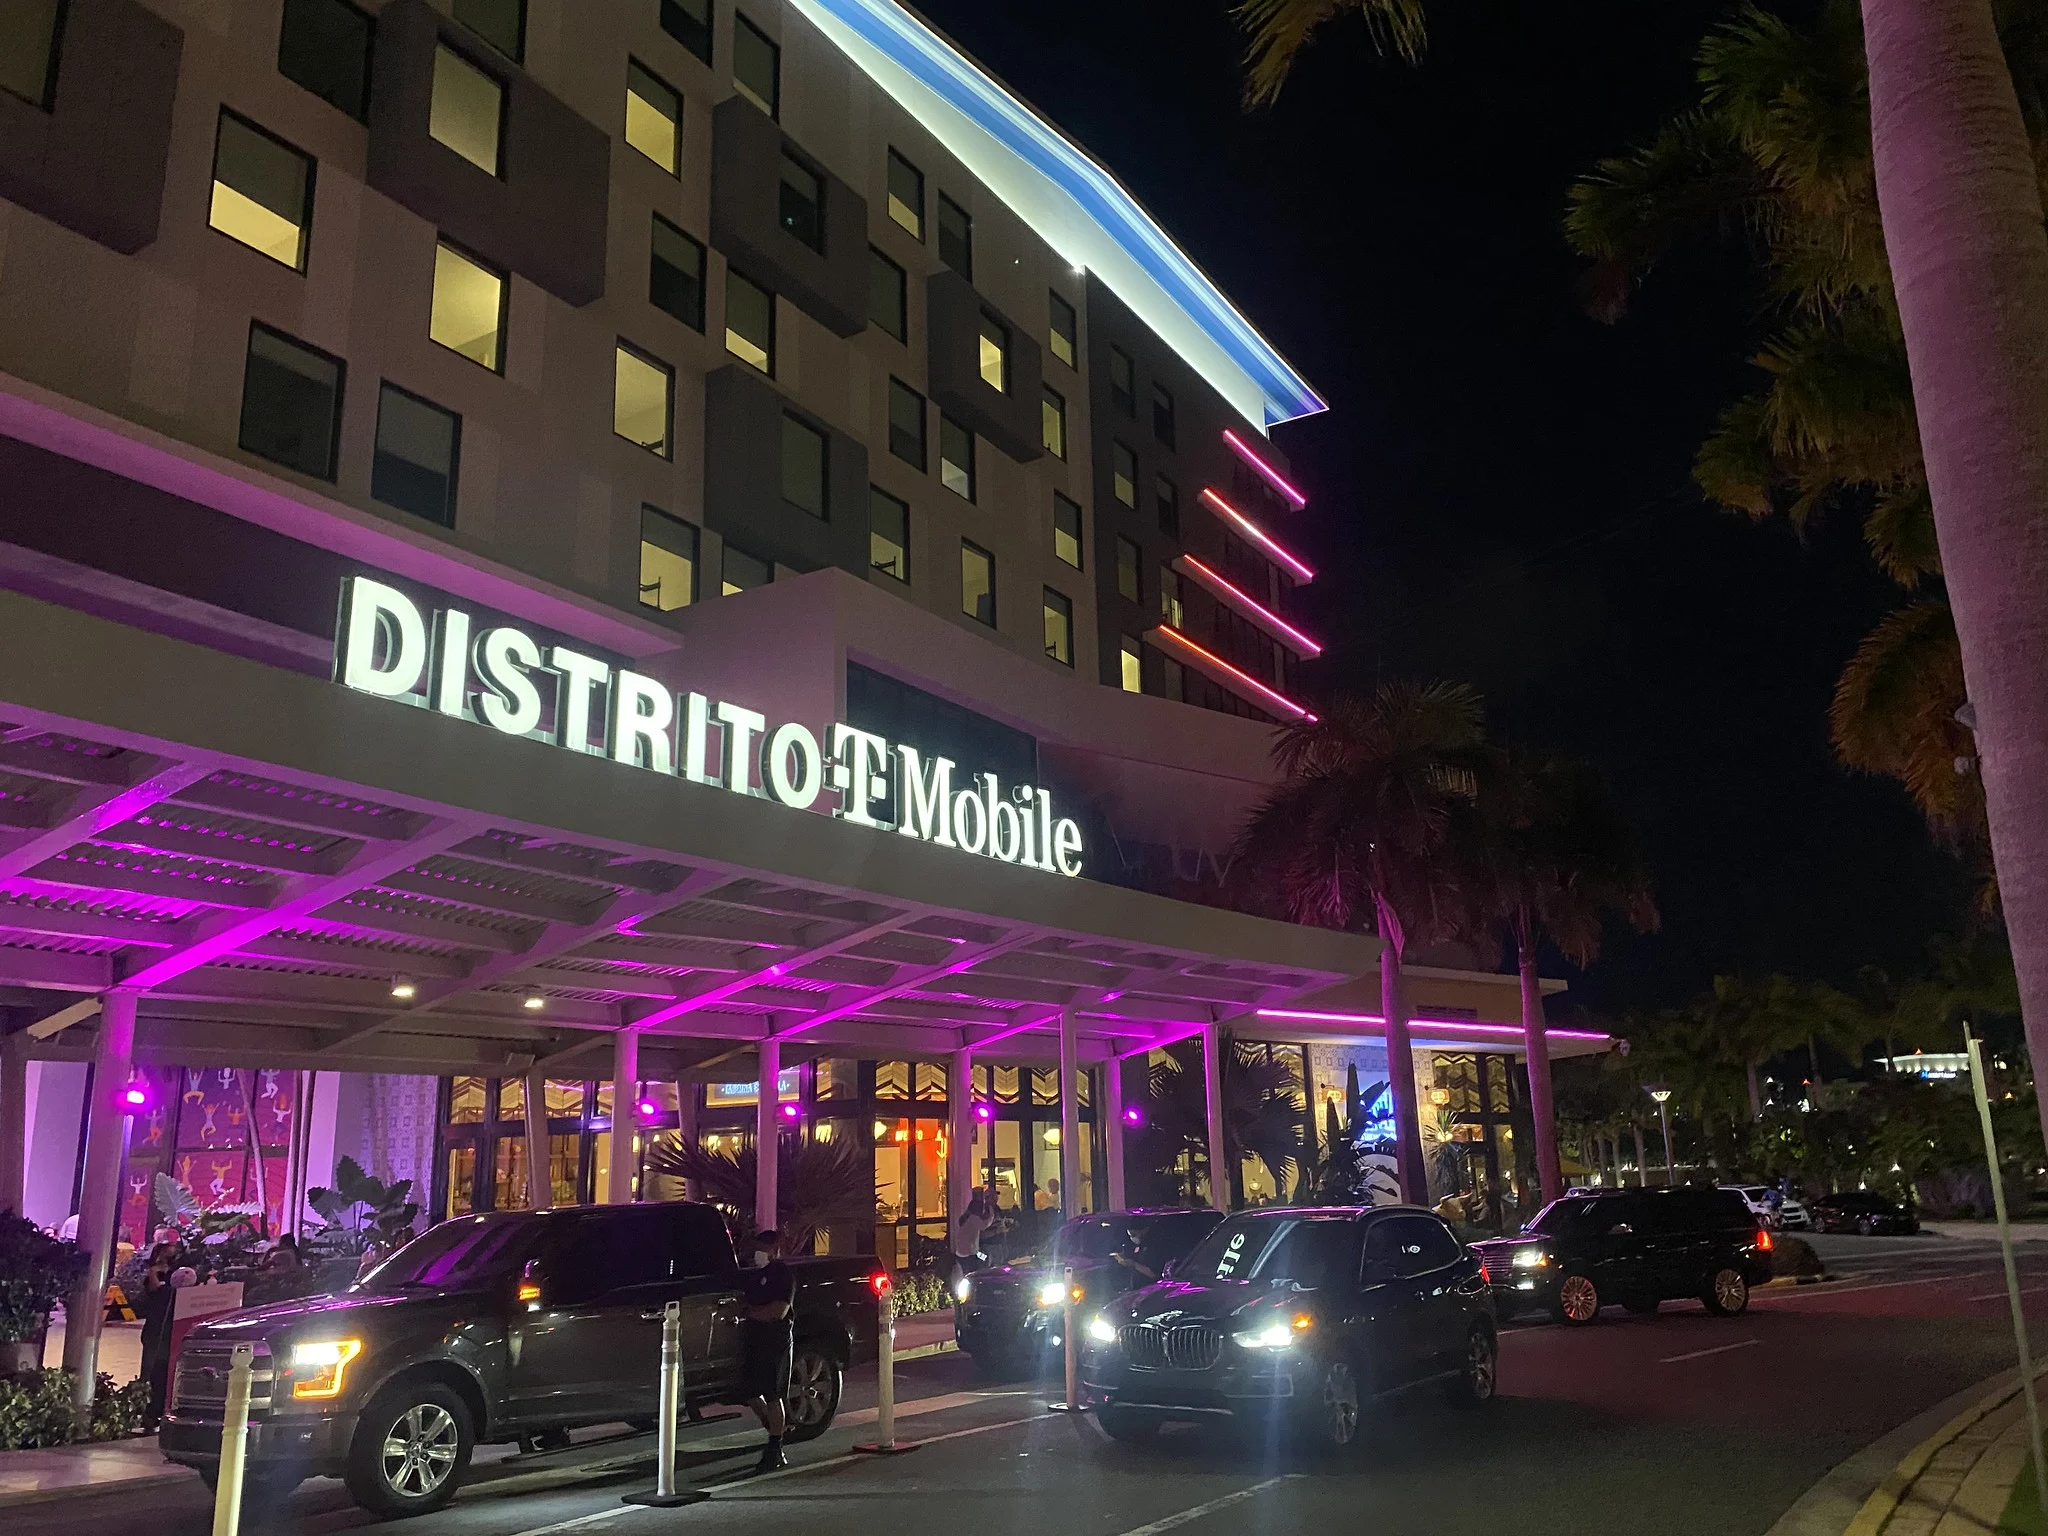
(534, 1000)
(404, 989)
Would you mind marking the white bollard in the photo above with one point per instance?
(670, 1389)
(1073, 1345)
(884, 1443)
(234, 1443)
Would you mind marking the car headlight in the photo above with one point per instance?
(1276, 1335)
(962, 1288)
(1100, 1331)
(318, 1368)
(1530, 1258)
(1052, 1293)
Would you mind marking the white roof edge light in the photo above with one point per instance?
(1076, 206)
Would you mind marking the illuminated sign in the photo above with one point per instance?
(501, 677)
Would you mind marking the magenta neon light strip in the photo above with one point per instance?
(1259, 535)
(1280, 700)
(1272, 476)
(1252, 606)
(1456, 1026)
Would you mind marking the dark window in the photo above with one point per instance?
(888, 295)
(1170, 612)
(262, 191)
(30, 33)
(1128, 557)
(956, 458)
(467, 111)
(654, 117)
(1123, 387)
(1123, 475)
(1162, 414)
(1062, 330)
(675, 274)
(743, 572)
(689, 23)
(418, 446)
(668, 560)
(906, 424)
(501, 23)
(1059, 627)
(749, 322)
(756, 66)
(977, 583)
(291, 403)
(906, 195)
(803, 466)
(325, 47)
(803, 202)
(1171, 682)
(956, 237)
(888, 534)
(1052, 423)
(1166, 496)
(1066, 530)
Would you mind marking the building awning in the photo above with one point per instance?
(272, 861)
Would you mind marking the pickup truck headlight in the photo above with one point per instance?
(319, 1368)
(1100, 1331)
(1530, 1258)
(1052, 1293)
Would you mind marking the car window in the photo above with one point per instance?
(1410, 1245)
(458, 1254)
(1579, 1216)
(615, 1250)
(1309, 1250)
(1081, 1242)
(1167, 1239)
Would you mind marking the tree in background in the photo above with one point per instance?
(1957, 188)
(1262, 1114)
(816, 1182)
(1373, 796)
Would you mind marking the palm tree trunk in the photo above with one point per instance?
(1642, 1161)
(1969, 258)
(1401, 1063)
(1756, 1092)
(1537, 1044)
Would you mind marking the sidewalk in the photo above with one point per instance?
(1964, 1480)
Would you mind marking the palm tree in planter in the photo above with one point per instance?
(815, 1182)
(1359, 832)
(1262, 1112)
(36, 1273)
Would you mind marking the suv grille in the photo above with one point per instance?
(201, 1388)
(1184, 1347)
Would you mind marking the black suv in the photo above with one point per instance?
(1863, 1211)
(1009, 1318)
(1638, 1247)
(516, 1325)
(1296, 1316)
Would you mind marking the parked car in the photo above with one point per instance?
(1638, 1247)
(1009, 1318)
(514, 1325)
(1866, 1212)
(1297, 1317)
(1772, 1207)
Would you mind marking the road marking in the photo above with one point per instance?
(1701, 1354)
(736, 1488)
(1187, 1516)
(2000, 1295)
(582, 1521)
(1809, 1292)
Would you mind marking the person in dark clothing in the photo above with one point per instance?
(159, 1297)
(770, 1340)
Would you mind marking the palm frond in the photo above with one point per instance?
(815, 1182)
(1894, 713)
(1277, 31)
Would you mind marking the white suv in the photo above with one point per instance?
(1784, 1212)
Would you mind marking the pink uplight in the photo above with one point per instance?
(790, 1111)
(1209, 658)
(648, 1109)
(983, 1113)
(1258, 535)
(135, 1097)
(1251, 606)
(1452, 1026)
(1134, 1116)
(1272, 476)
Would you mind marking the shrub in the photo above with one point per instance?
(37, 1412)
(36, 1272)
(1792, 1256)
(117, 1412)
(920, 1290)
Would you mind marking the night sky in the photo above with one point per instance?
(1501, 490)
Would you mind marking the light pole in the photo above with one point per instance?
(1663, 1098)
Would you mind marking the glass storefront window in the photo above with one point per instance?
(509, 1188)
(461, 1180)
(565, 1099)
(837, 1079)
(603, 1107)
(466, 1100)
(1045, 1086)
(600, 1163)
(512, 1098)
(892, 1079)
(1006, 1085)
(931, 1082)
(564, 1152)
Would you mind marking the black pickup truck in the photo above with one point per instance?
(511, 1326)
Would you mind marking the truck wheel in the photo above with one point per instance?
(1727, 1292)
(1578, 1300)
(410, 1449)
(813, 1400)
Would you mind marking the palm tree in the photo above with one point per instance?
(1359, 830)
(1553, 857)
(815, 1182)
(1262, 1110)
(1747, 1022)
(1960, 209)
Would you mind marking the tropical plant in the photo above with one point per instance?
(1373, 794)
(358, 1211)
(36, 1273)
(1953, 112)
(815, 1182)
(1262, 1105)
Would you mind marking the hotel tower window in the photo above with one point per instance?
(995, 356)
(654, 118)
(1061, 330)
(1123, 475)
(906, 424)
(749, 322)
(1123, 387)
(418, 447)
(262, 191)
(756, 66)
(803, 466)
(956, 237)
(977, 583)
(1066, 530)
(469, 308)
(501, 23)
(642, 399)
(1163, 414)
(675, 274)
(888, 295)
(1131, 670)
(467, 111)
(668, 560)
(324, 45)
(291, 403)
(956, 458)
(802, 205)
(1052, 423)
(1127, 557)
(742, 572)
(689, 23)
(1059, 627)
(906, 195)
(888, 534)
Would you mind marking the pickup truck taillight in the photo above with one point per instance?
(880, 1283)
(1764, 1241)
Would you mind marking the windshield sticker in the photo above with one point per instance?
(1227, 1265)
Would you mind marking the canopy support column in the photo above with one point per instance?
(540, 1182)
(1212, 1084)
(618, 1184)
(768, 1136)
(13, 1120)
(99, 1194)
(1070, 1112)
(960, 1134)
(1110, 1126)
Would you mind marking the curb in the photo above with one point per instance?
(926, 1351)
(34, 1496)
(1892, 1491)
(1785, 1280)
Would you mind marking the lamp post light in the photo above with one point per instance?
(1663, 1098)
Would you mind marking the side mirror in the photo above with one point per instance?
(1166, 1270)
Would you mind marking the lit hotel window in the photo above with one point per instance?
(888, 534)
(1062, 330)
(689, 23)
(977, 583)
(749, 322)
(1169, 597)
(262, 191)
(1132, 674)
(324, 45)
(469, 308)
(888, 295)
(468, 110)
(1066, 530)
(742, 572)
(291, 403)
(675, 274)
(956, 237)
(956, 458)
(668, 560)
(803, 466)
(756, 66)
(995, 356)
(1052, 421)
(501, 23)
(654, 118)
(1127, 557)
(643, 392)
(906, 195)
(1123, 474)
(906, 424)
(418, 445)
(1059, 627)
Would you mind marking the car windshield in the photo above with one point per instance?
(1566, 1217)
(1309, 1250)
(1084, 1242)
(457, 1254)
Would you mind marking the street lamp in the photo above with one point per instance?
(1663, 1098)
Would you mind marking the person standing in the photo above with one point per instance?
(158, 1301)
(769, 1341)
(968, 1227)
